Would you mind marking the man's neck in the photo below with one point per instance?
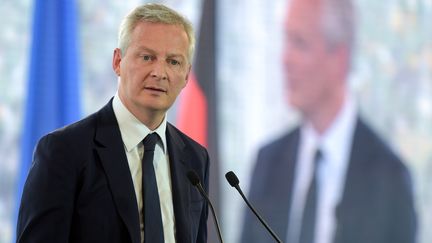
(323, 117)
(151, 119)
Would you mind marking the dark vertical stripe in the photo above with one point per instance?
(205, 71)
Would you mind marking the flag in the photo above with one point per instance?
(197, 112)
(53, 79)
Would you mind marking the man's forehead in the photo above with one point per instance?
(303, 11)
(304, 7)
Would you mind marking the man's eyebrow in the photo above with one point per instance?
(153, 52)
(171, 55)
(143, 48)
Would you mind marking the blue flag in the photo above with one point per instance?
(53, 98)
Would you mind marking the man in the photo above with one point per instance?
(86, 183)
(332, 179)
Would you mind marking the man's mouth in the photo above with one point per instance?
(157, 89)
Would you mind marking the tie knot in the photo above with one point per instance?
(149, 141)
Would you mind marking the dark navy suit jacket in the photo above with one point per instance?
(377, 203)
(80, 189)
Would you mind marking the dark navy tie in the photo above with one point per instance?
(153, 227)
(307, 234)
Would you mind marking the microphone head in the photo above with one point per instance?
(232, 179)
(193, 178)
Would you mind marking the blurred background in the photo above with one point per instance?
(391, 78)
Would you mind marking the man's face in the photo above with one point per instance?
(311, 66)
(154, 68)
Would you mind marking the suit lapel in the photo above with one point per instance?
(278, 184)
(290, 154)
(180, 187)
(110, 149)
(351, 209)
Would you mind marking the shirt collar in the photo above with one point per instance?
(131, 129)
(338, 137)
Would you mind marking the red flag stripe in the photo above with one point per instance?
(192, 118)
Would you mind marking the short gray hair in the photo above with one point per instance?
(339, 22)
(154, 13)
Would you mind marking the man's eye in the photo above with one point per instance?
(146, 58)
(173, 62)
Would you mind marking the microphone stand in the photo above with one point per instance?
(194, 179)
(234, 182)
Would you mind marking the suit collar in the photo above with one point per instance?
(110, 150)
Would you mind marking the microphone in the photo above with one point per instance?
(234, 182)
(195, 181)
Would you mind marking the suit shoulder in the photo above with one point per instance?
(77, 129)
(368, 142)
(366, 135)
(76, 136)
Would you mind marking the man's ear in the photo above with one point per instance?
(117, 56)
(188, 74)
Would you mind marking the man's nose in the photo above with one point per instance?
(159, 70)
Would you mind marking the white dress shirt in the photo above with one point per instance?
(133, 132)
(335, 145)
